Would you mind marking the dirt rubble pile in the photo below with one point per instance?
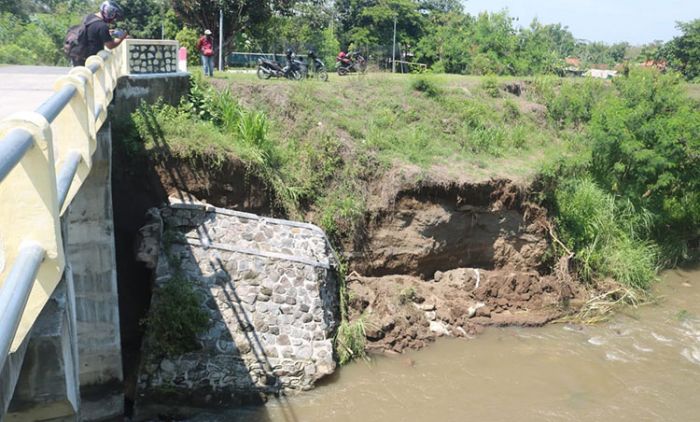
(451, 260)
(401, 312)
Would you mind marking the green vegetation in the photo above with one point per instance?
(437, 33)
(175, 318)
(632, 204)
(350, 340)
(606, 235)
(618, 159)
(318, 148)
(407, 295)
(683, 52)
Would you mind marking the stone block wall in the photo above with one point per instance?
(152, 58)
(270, 291)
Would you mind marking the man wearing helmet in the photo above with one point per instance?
(97, 30)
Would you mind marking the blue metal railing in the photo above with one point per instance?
(15, 291)
(12, 148)
(66, 175)
(54, 105)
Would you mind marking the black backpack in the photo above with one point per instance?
(75, 45)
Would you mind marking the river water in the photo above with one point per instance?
(644, 366)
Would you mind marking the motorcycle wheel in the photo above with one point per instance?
(262, 74)
(363, 67)
(322, 75)
(296, 75)
(342, 71)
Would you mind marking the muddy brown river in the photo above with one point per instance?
(644, 366)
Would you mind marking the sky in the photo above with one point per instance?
(635, 21)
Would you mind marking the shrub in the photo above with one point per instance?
(423, 84)
(187, 37)
(350, 341)
(14, 54)
(607, 237)
(341, 212)
(575, 102)
(646, 149)
(175, 318)
(511, 111)
(489, 84)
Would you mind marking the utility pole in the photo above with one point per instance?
(221, 39)
(162, 21)
(393, 50)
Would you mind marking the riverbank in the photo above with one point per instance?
(642, 365)
(454, 204)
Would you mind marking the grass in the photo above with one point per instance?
(607, 235)
(432, 121)
(320, 146)
(693, 90)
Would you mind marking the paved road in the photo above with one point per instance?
(24, 88)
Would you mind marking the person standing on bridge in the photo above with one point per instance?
(97, 33)
(205, 46)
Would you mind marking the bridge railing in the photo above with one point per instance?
(45, 156)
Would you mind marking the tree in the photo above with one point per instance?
(365, 23)
(446, 42)
(239, 15)
(646, 149)
(683, 52)
(143, 18)
(542, 47)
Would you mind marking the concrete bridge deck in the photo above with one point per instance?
(24, 88)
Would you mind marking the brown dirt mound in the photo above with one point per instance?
(403, 312)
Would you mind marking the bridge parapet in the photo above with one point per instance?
(45, 157)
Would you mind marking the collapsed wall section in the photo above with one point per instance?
(269, 291)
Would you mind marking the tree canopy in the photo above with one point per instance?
(438, 33)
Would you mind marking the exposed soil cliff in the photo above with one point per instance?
(452, 259)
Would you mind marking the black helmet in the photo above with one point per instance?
(312, 53)
(289, 52)
(110, 11)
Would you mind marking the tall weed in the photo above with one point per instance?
(606, 236)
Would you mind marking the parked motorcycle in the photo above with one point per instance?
(350, 63)
(269, 68)
(318, 69)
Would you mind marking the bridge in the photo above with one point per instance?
(267, 287)
(60, 356)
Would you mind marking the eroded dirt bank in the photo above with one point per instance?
(430, 259)
(452, 259)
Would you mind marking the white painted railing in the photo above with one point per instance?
(45, 156)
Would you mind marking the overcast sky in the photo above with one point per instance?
(634, 21)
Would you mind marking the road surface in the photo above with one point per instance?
(24, 88)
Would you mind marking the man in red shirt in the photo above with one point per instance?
(205, 46)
